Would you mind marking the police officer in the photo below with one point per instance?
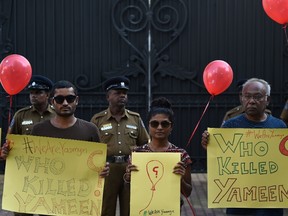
(121, 129)
(24, 119)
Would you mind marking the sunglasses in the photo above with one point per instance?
(164, 124)
(60, 98)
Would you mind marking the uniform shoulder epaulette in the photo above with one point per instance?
(24, 109)
(268, 111)
(100, 114)
(133, 113)
(235, 109)
(51, 107)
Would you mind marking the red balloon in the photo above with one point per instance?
(15, 73)
(277, 10)
(217, 77)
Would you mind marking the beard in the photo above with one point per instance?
(65, 113)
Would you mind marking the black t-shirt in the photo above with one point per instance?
(81, 130)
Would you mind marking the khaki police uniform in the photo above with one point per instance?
(120, 137)
(127, 133)
(233, 112)
(25, 118)
(284, 113)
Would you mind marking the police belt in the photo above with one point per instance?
(118, 158)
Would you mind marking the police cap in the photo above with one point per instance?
(119, 82)
(39, 82)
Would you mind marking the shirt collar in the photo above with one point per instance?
(109, 115)
(49, 109)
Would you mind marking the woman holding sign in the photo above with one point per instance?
(160, 118)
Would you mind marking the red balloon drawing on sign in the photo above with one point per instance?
(155, 171)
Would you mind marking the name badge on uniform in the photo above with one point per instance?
(106, 127)
(27, 122)
(131, 127)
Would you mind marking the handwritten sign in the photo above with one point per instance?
(247, 168)
(155, 189)
(53, 176)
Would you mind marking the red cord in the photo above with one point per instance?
(196, 127)
(190, 204)
(212, 96)
(10, 109)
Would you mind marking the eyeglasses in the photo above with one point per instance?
(257, 97)
(69, 98)
(164, 124)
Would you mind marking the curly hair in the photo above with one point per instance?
(161, 105)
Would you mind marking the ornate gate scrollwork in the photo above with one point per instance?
(148, 29)
(141, 18)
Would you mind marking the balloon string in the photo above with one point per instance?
(285, 32)
(190, 204)
(212, 96)
(10, 109)
(148, 203)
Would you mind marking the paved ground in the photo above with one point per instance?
(198, 199)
